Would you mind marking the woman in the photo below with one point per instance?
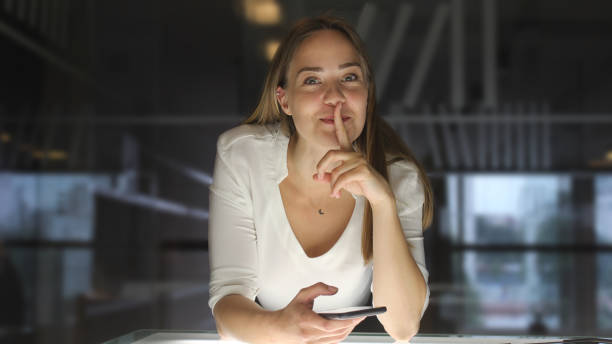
(316, 202)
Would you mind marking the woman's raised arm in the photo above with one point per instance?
(398, 255)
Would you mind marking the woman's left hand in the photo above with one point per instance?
(353, 172)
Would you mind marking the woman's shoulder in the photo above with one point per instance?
(405, 182)
(246, 135)
(400, 166)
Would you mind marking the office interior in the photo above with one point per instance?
(110, 111)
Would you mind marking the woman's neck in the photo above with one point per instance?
(302, 164)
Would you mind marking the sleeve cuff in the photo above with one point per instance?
(217, 294)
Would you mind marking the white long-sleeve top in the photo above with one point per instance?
(253, 250)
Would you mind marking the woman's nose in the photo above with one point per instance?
(333, 95)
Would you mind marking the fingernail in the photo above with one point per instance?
(332, 288)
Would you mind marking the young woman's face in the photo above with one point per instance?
(324, 71)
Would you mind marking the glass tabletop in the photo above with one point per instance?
(187, 337)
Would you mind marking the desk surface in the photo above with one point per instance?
(189, 337)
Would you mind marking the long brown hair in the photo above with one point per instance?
(376, 140)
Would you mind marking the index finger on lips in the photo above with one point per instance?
(341, 134)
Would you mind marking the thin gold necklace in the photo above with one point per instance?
(315, 205)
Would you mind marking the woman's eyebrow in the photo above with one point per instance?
(309, 69)
(319, 69)
(349, 64)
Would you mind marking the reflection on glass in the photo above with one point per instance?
(518, 289)
(604, 291)
(47, 281)
(603, 209)
(515, 209)
(515, 291)
(48, 206)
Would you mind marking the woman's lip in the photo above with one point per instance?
(331, 120)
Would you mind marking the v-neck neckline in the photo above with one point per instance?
(283, 173)
(296, 243)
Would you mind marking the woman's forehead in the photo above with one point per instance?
(324, 48)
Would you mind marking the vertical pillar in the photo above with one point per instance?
(490, 53)
(457, 56)
(584, 277)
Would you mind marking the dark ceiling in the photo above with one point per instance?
(169, 59)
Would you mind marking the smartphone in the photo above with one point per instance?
(352, 312)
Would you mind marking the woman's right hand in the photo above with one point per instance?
(298, 323)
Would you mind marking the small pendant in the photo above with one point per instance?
(321, 212)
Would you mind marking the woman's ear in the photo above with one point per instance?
(281, 97)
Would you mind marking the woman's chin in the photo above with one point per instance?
(325, 140)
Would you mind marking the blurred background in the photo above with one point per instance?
(110, 111)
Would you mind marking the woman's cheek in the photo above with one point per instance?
(358, 94)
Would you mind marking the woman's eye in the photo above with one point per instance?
(311, 81)
(351, 77)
